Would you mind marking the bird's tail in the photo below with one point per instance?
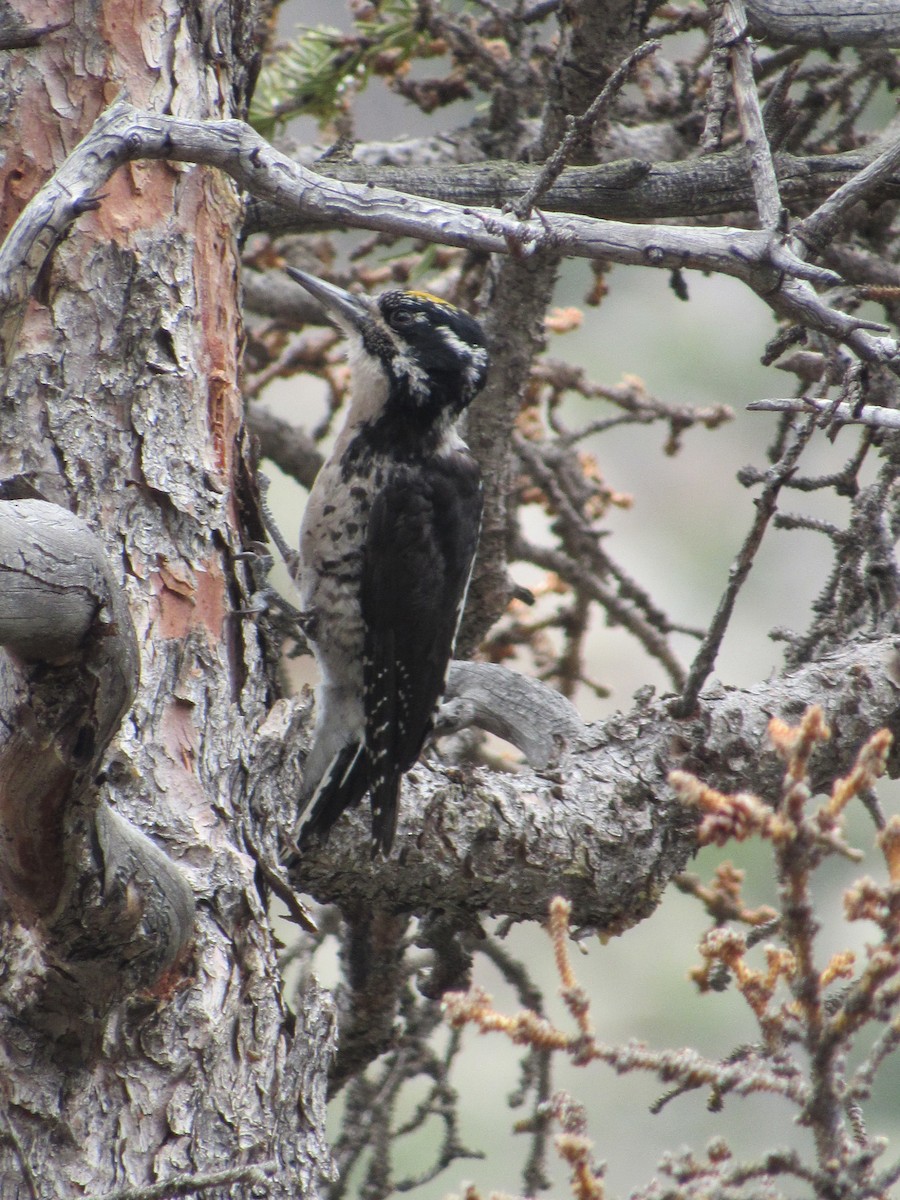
(385, 808)
(343, 785)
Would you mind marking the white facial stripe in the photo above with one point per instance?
(406, 364)
(475, 357)
(455, 342)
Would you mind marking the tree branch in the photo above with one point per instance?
(837, 414)
(629, 189)
(762, 169)
(850, 23)
(287, 446)
(818, 228)
(534, 718)
(766, 504)
(606, 829)
(579, 129)
(123, 134)
(108, 904)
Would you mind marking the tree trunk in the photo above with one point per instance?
(126, 364)
(147, 777)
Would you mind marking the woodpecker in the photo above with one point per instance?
(387, 543)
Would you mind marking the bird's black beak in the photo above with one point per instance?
(351, 312)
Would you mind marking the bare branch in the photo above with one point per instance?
(628, 189)
(762, 168)
(287, 446)
(474, 841)
(580, 128)
(123, 134)
(818, 227)
(531, 716)
(839, 414)
(740, 569)
(373, 943)
(850, 23)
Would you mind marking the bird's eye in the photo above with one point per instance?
(401, 318)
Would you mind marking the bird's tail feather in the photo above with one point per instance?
(385, 808)
(342, 786)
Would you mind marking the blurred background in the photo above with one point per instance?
(684, 528)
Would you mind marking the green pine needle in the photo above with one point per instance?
(312, 75)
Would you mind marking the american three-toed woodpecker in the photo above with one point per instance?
(387, 543)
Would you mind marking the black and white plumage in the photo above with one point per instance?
(387, 544)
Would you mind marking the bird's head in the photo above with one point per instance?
(426, 357)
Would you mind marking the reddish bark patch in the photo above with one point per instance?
(189, 600)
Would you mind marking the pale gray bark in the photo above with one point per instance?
(630, 189)
(834, 414)
(763, 259)
(759, 258)
(828, 22)
(55, 584)
(530, 716)
(602, 824)
(121, 403)
(111, 910)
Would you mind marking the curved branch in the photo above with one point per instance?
(605, 829)
(835, 414)
(757, 257)
(110, 906)
(534, 718)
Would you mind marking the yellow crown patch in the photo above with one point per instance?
(434, 299)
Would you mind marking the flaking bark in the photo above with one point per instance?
(120, 403)
(110, 909)
(126, 365)
(603, 827)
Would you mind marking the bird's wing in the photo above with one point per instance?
(420, 545)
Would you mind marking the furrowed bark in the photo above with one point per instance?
(110, 908)
(857, 23)
(602, 827)
(120, 401)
